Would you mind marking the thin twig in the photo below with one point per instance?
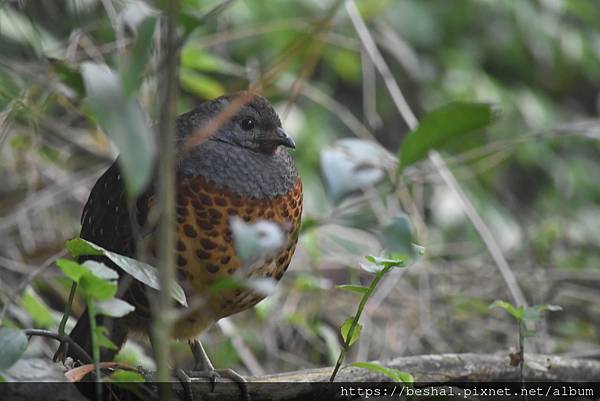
(162, 311)
(82, 355)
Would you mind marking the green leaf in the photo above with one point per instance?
(114, 307)
(97, 288)
(397, 237)
(103, 340)
(346, 328)
(79, 247)
(548, 307)
(38, 311)
(100, 270)
(353, 288)
(386, 262)
(126, 376)
(141, 271)
(138, 58)
(517, 313)
(13, 343)
(122, 119)
(443, 125)
(71, 269)
(394, 374)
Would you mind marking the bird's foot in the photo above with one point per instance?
(186, 380)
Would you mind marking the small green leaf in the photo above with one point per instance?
(79, 247)
(71, 269)
(394, 374)
(443, 125)
(38, 311)
(386, 262)
(397, 236)
(103, 340)
(122, 119)
(114, 307)
(355, 332)
(353, 288)
(548, 307)
(517, 313)
(13, 343)
(97, 288)
(126, 376)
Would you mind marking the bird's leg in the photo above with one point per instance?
(203, 368)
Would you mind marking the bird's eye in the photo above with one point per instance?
(248, 124)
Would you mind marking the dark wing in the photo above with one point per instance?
(105, 220)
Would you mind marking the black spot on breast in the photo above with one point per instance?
(205, 225)
(181, 261)
(202, 254)
(180, 246)
(212, 268)
(220, 201)
(214, 214)
(189, 231)
(207, 244)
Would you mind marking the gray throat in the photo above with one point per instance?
(243, 171)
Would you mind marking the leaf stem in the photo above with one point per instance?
(359, 311)
(67, 312)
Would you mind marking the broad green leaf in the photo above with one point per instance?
(79, 247)
(141, 271)
(103, 340)
(100, 270)
(394, 374)
(134, 70)
(38, 311)
(71, 269)
(122, 119)
(13, 343)
(97, 288)
(353, 288)
(344, 330)
(126, 376)
(443, 125)
(114, 307)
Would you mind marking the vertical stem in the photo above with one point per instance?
(166, 189)
(91, 307)
(359, 311)
(67, 312)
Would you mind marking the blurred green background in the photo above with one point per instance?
(533, 175)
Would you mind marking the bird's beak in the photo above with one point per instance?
(283, 139)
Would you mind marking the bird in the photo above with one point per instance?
(242, 170)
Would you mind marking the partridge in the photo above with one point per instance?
(241, 170)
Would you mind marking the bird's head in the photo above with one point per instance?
(242, 119)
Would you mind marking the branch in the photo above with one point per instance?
(443, 369)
